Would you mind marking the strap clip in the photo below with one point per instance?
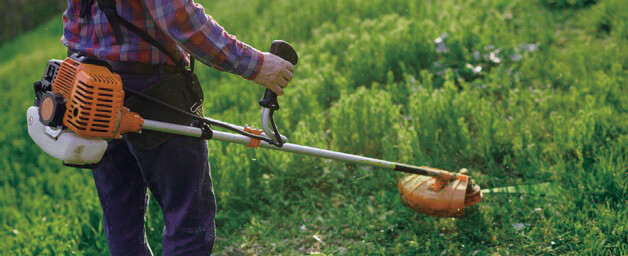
(196, 106)
(254, 142)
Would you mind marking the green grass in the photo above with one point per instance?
(371, 81)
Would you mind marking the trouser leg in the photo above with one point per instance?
(123, 198)
(178, 175)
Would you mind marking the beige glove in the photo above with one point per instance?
(276, 73)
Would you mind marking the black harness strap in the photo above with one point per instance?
(86, 8)
(141, 33)
(108, 7)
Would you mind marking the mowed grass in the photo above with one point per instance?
(548, 105)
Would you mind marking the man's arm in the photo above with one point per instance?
(207, 41)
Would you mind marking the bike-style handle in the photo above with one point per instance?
(286, 52)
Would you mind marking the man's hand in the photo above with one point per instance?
(276, 73)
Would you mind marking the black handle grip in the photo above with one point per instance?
(286, 52)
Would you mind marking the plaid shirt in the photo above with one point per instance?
(180, 25)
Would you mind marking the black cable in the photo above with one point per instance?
(277, 135)
(211, 122)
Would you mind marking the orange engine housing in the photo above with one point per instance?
(94, 101)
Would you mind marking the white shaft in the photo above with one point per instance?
(293, 148)
(305, 150)
(288, 147)
(172, 128)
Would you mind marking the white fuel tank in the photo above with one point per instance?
(67, 146)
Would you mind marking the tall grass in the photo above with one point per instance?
(372, 81)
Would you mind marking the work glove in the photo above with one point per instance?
(275, 74)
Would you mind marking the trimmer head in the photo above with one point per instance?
(439, 196)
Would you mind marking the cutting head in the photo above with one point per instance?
(436, 196)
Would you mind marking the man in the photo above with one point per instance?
(174, 168)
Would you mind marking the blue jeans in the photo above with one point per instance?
(177, 173)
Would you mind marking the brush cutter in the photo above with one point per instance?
(79, 107)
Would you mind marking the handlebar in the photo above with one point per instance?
(269, 101)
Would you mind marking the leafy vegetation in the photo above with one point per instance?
(518, 92)
(18, 16)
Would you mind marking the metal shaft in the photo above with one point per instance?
(159, 126)
(294, 148)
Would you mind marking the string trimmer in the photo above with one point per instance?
(79, 107)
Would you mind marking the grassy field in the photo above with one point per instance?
(518, 92)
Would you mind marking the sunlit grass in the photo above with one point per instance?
(519, 92)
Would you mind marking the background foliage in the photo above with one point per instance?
(519, 92)
(18, 16)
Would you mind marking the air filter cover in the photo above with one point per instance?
(94, 98)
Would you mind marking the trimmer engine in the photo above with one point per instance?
(80, 100)
(87, 98)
